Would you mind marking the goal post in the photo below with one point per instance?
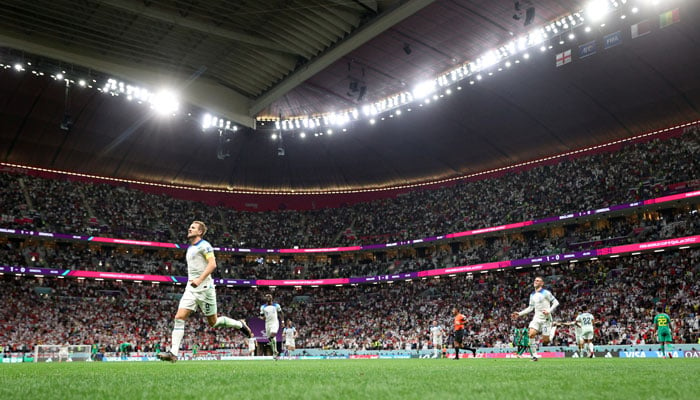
(61, 352)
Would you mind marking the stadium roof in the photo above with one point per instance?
(244, 60)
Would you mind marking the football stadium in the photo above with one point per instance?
(350, 199)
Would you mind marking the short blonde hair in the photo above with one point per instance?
(202, 226)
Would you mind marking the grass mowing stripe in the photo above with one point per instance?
(357, 379)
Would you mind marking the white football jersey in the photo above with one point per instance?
(541, 300)
(197, 257)
(289, 333)
(436, 332)
(586, 321)
(269, 311)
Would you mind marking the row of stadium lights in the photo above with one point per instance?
(163, 102)
(433, 90)
(166, 102)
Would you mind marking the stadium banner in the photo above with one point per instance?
(649, 354)
(364, 356)
(130, 358)
(257, 326)
(587, 49)
(12, 359)
(133, 242)
(13, 269)
(120, 275)
(488, 230)
(679, 196)
(596, 354)
(691, 354)
(302, 282)
(543, 354)
(397, 356)
(612, 40)
(554, 258)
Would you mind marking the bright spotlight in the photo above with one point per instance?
(572, 36)
(302, 135)
(424, 89)
(489, 59)
(206, 121)
(597, 9)
(59, 76)
(372, 121)
(165, 102)
(274, 136)
(19, 67)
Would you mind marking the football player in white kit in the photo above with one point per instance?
(542, 301)
(289, 333)
(272, 313)
(583, 329)
(437, 333)
(252, 342)
(200, 292)
(585, 320)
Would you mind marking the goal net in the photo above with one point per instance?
(61, 353)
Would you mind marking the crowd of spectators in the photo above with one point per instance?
(621, 292)
(634, 172)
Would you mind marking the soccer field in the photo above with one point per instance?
(357, 379)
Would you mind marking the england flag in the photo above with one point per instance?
(563, 58)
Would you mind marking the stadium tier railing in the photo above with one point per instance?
(552, 259)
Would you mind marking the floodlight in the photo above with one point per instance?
(165, 102)
(424, 89)
(596, 9)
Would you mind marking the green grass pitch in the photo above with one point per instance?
(357, 379)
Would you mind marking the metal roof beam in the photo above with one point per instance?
(361, 36)
(175, 19)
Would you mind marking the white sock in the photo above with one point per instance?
(227, 322)
(590, 347)
(533, 348)
(273, 344)
(178, 334)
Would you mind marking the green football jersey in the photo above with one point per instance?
(662, 321)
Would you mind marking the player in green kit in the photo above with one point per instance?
(124, 350)
(93, 351)
(521, 340)
(662, 324)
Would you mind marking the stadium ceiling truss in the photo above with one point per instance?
(245, 59)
